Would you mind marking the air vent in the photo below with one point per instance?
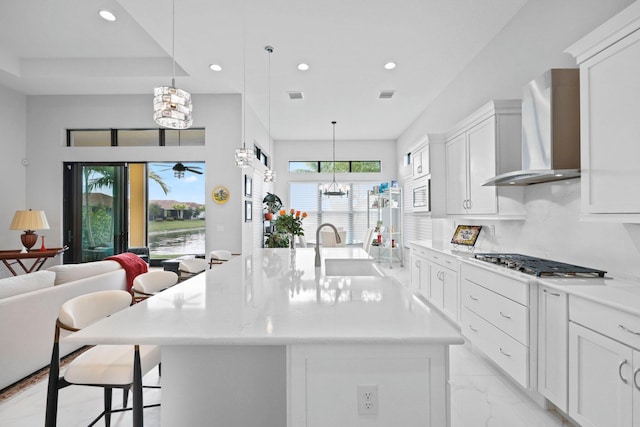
(295, 95)
(386, 94)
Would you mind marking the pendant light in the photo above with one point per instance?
(333, 189)
(269, 174)
(172, 107)
(244, 155)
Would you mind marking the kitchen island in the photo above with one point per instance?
(268, 339)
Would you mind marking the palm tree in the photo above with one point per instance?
(157, 179)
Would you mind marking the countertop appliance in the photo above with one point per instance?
(539, 267)
(550, 130)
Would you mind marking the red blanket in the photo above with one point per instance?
(132, 264)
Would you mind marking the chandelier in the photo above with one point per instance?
(172, 106)
(269, 174)
(334, 189)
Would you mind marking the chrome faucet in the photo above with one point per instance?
(338, 240)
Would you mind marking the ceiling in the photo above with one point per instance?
(51, 47)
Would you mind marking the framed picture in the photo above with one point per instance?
(248, 186)
(248, 211)
(466, 235)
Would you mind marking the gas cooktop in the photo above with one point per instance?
(538, 266)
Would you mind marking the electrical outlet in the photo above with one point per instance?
(367, 399)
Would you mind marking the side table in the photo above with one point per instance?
(13, 257)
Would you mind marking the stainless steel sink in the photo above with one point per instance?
(351, 267)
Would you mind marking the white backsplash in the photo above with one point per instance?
(553, 230)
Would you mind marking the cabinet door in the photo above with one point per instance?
(600, 379)
(553, 324)
(436, 284)
(456, 164)
(450, 293)
(609, 88)
(415, 272)
(420, 162)
(481, 150)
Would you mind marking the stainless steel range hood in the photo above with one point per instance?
(550, 130)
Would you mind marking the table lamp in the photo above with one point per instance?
(29, 221)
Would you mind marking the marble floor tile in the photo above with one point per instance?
(77, 406)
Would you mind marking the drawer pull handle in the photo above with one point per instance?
(473, 298)
(624, 328)
(473, 329)
(550, 293)
(505, 316)
(508, 355)
(624, 362)
(635, 378)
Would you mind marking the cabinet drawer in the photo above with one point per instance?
(443, 260)
(620, 326)
(419, 250)
(506, 352)
(509, 287)
(508, 315)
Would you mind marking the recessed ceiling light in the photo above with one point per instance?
(303, 67)
(107, 16)
(215, 67)
(390, 65)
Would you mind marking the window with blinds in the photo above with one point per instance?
(348, 213)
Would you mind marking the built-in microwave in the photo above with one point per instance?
(421, 202)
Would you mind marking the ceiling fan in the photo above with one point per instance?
(179, 169)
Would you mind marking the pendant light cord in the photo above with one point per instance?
(334, 151)
(173, 42)
(244, 75)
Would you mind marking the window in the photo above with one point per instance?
(341, 167)
(303, 167)
(348, 213)
(134, 137)
(346, 166)
(261, 156)
(407, 159)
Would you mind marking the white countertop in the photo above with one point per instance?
(621, 294)
(272, 298)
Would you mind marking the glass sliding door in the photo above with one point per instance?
(95, 210)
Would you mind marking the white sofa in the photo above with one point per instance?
(29, 307)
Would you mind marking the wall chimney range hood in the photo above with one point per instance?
(550, 130)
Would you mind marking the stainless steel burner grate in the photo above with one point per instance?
(539, 266)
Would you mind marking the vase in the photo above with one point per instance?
(292, 242)
(43, 248)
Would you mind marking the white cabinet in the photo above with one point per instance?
(553, 345)
(419, 271)
(496, 317)
(485, 144)
(443, 282)
(604, 365)
(420, 162)
(609, 60)
(600, 378)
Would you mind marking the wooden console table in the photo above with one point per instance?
(15, 257)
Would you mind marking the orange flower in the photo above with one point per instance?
(297, 214)
(304, 214)
(292, 211)
(282, 212)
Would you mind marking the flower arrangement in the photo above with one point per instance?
(290, 222)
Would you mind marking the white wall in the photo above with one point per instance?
(530, 44)
(48, 118)
(285, 151)
(13, 187)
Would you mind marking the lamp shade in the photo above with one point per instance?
(29, 220)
